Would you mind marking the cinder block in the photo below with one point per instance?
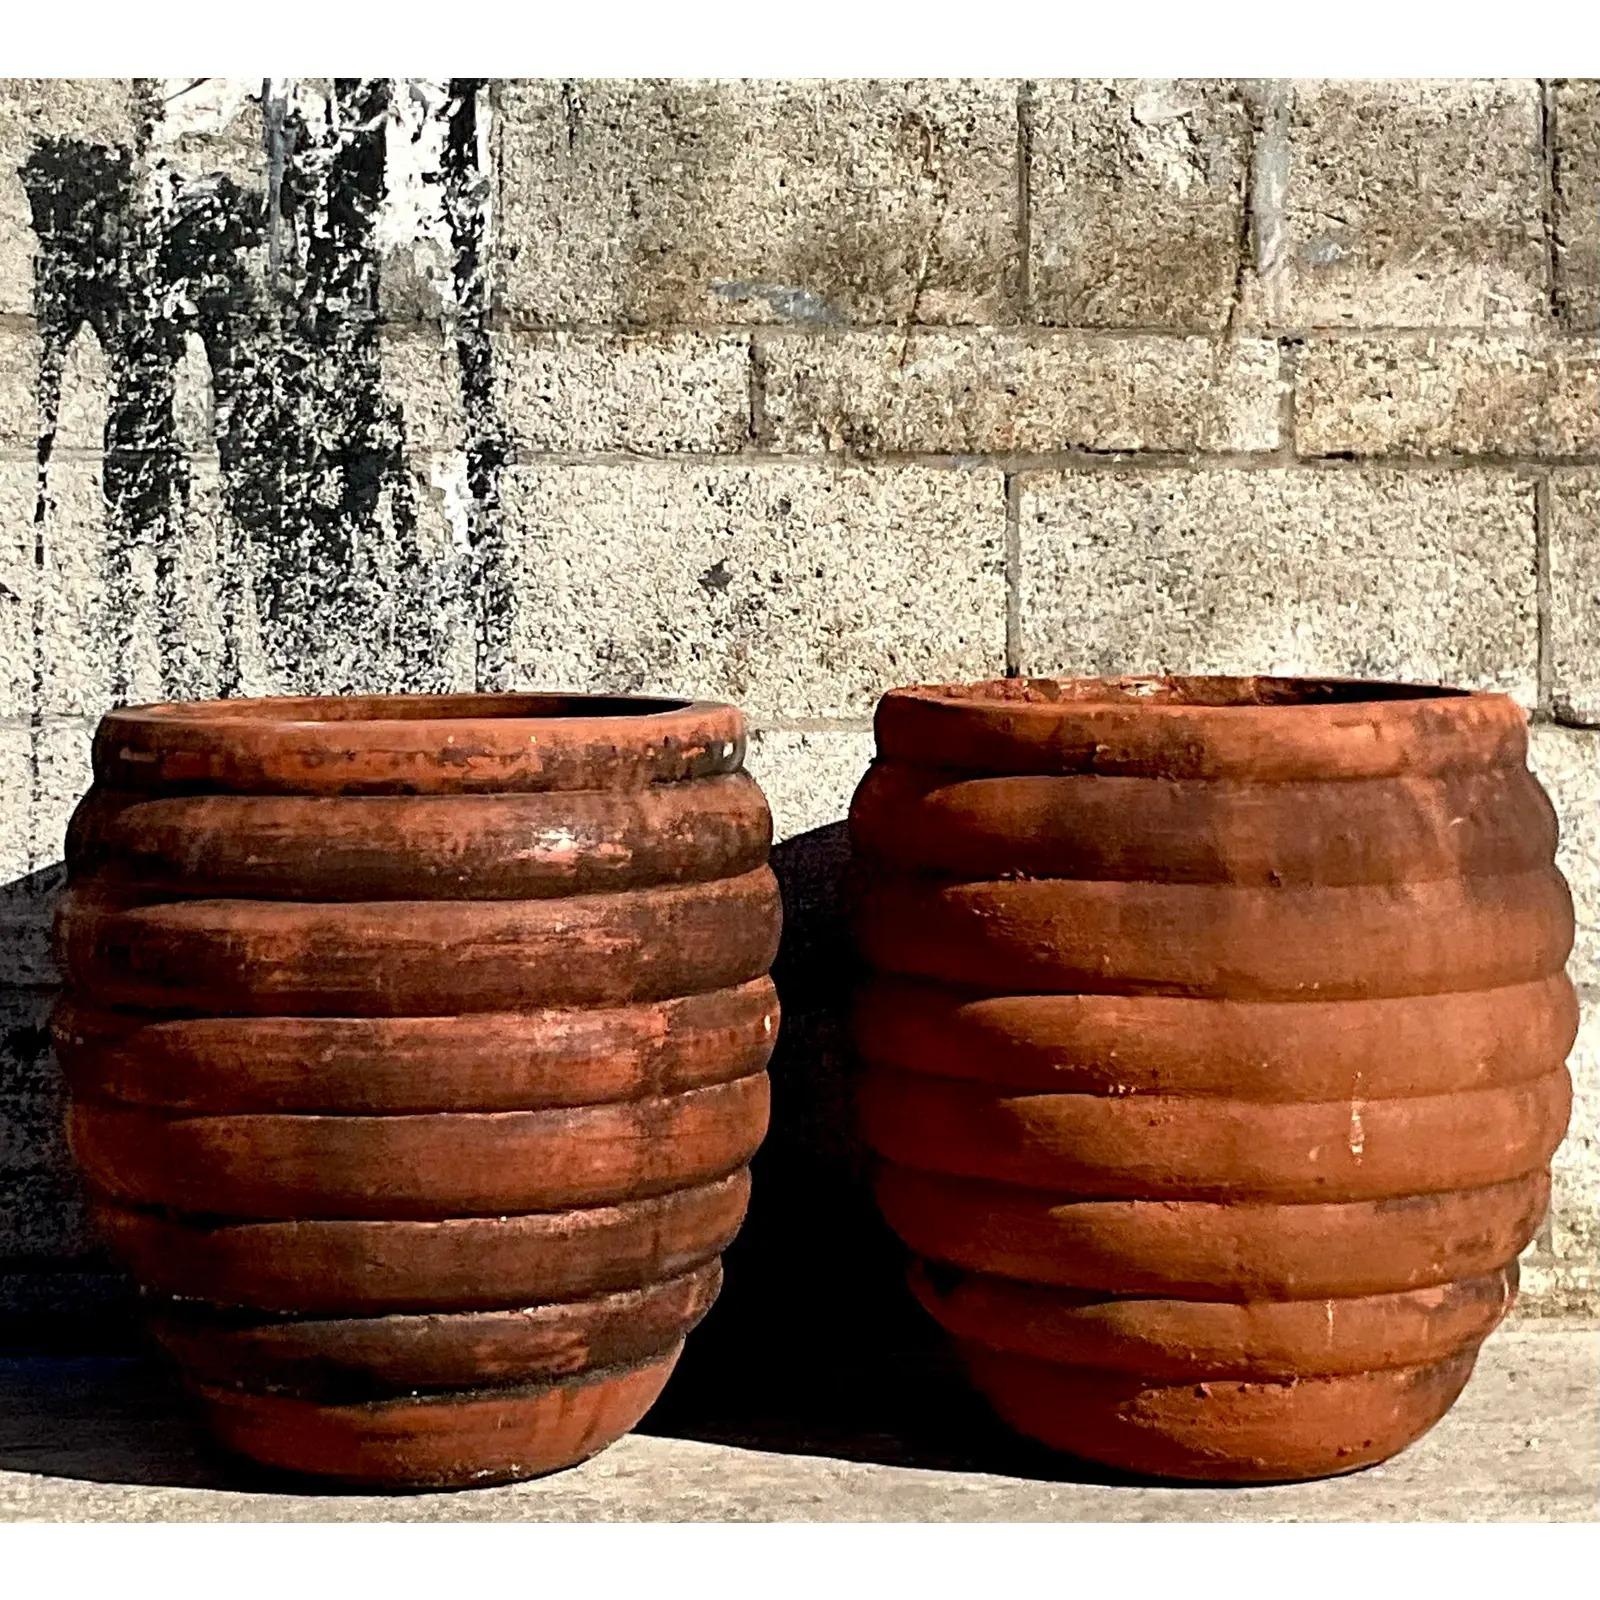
(1422, 574)
(1425, 394)
(16, 795)
(1552, 1288)
(375, 608)
(1411, 203)
(1577, 202)
(192, 603)
(978, 392)
(651, 394)
(98, 110)
(792, 590)
(18, 586)
(1567, 762)
(809, 776)
(1575, 594)
(19, 386)
(93, 595)
(103, 112)
(211, 127)
(1136, 200)
(44, 1220)
(132, 608)
(80, 416)
(662, 202)
(1575, 1190)
(421, 376)
(84, 396)
(64, 776)
(32, 1099)
(27, 904)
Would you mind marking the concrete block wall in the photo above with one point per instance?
(785, 392)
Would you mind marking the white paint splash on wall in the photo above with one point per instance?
(447, 476)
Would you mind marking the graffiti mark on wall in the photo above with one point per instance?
(268, 275)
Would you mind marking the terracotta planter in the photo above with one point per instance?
(417, 1051)
(1214, 1052)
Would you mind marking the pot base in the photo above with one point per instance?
(471, 1439)
(1226, 1431)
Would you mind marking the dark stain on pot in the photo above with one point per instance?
(322, 527)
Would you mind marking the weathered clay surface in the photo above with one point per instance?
(1214, 1052)
(417, 1054)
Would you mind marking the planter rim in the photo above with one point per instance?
(1177, 725)
(1197, 694)
(543, 707)
(418, 743)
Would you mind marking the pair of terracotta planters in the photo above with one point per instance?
(1213, 1050)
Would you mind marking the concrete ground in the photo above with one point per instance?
(106, 1439)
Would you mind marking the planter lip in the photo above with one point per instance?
(418, 743)
(1273, 728)
(1190, 695)
(544, 708)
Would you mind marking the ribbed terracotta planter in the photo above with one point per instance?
(1214, 1052)
(417, 1052)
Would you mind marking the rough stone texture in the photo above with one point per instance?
(60, 778)
(16, 802)
(26, 905)
(100, 111)
(124, 621)
(1561, 1271)
(119, 621)
(97, 1440)
(808, 777)
(1427, 395)
(796, 591)
(418, 365)
(1137, 194)
(1567, 761)
(649, 201)
(19, 376)
(655, 394)
(32, 1138)
(998, 393)
(1419, 575)
(1408, 203)
(1575, 1199)
(1576, 107)
(18, 586)
(44, 1223)
(1574, 640)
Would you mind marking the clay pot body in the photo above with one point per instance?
(417, 1051)
(1214, 1051)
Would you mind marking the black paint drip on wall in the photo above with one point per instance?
(323, 530)
(466, 201)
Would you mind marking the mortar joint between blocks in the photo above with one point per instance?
(1547, 193)
(1013, 574)
(1024, 233)
(1545, 667)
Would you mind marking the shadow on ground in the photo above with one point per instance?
(816, 1346)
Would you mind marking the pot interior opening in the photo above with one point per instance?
(1218, 693)
(427, 708)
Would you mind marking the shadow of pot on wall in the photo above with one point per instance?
(58, 1292)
